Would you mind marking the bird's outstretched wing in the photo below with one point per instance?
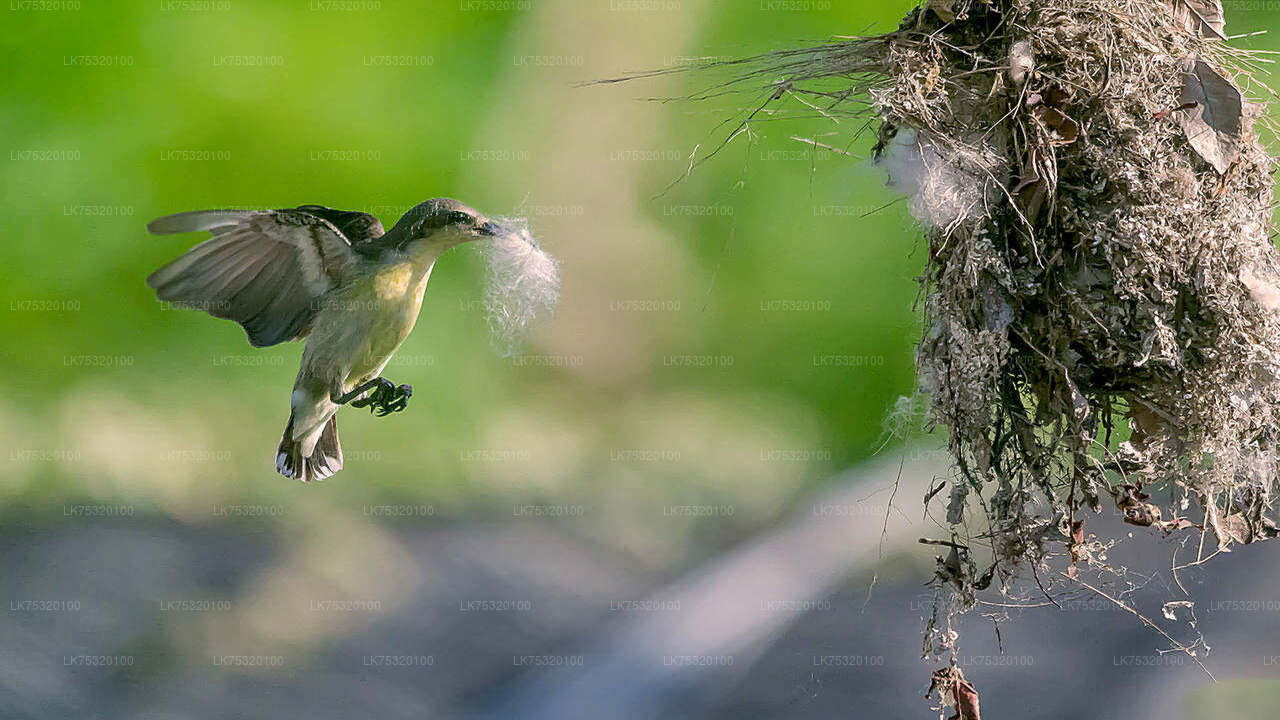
(359, 228)
(267, 270)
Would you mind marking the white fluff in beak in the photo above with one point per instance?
(523, 284)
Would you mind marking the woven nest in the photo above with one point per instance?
(1100, 291)
(1098, 206)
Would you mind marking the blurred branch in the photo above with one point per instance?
(722, 609)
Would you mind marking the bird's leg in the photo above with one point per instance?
(377, 397)
(384, 398)
(343, 399)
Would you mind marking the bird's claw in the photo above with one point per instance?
(398, 401)
(375, 396)
(386, 398)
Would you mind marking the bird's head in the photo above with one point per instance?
(440, 224)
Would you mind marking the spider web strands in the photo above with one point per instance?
(1189, 651)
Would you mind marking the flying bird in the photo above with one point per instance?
(334, 277)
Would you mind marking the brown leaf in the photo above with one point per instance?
(1201, 17)
(1131, 502)
(966, 701)
(1237, 529)
(950, 681)
(931, 78)
(1077, 539)
(1146, 423)
(955, 506)
(1059, 129)
(1051, 128)
(1143, 514)
(1031, 194)
(934, 491)
(1049, 109)
(943, 9)
(951, 569)
(1214, 125)
(1079, 404)
(1178, 524)
(984, 582)
(1055, 96)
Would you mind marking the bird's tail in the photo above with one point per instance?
(324, 461)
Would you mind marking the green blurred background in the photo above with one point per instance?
(746, 328)
(723, 346)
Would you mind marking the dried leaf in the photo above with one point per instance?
(1032, 194)
(1178, 524)
(1201, 17)
(997, 84)
(955, 506)
(934, 491)
(1169, 609)
(1038, 176)
(943, 9)
(1146, 423)
(963, 696)
(950, 569)
(1142, 514)
(1131, 502)
(1213, 126)
(966, 696)
(1237, 529)
(931, 78)
(1049, 111)
(984, 582)
(1079, 404)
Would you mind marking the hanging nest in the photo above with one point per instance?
(1100, 294)
(1100, 300)
(1100, 290)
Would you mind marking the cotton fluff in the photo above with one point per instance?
(523, 284)
(938, 193)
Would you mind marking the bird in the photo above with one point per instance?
(332, 277)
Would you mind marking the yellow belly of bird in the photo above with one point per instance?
(356, 335)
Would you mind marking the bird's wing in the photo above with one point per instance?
(358, 227)
(265, 270)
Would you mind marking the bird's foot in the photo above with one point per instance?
(385, 398)
(371, 395)
(399, 400)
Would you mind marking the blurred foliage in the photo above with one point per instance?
(117, 113)
(1236, 698)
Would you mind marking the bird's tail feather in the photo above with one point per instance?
(324, 461)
